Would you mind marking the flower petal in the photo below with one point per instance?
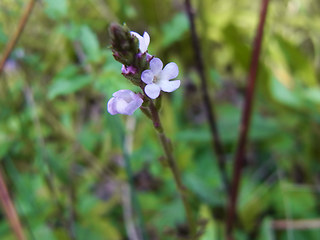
(122, 93)
(137, 35)
(148, 57)
(133, 105)
(156, 65)
(147, 76)
(142, 44)
(121, 105)
(146, 38)
(170, 71)
(169, 86)
(111, 106)
(152, 90)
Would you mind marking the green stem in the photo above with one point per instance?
(166, 145)
(133, 195)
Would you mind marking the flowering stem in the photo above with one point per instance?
(216, 142)
(245, 122)
(166, 145)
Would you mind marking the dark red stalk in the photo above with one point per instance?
(216, 142)
(245, 122)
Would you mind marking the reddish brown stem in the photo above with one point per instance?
(216, 142)
(245, 122)
(17, 34)
(10, 210)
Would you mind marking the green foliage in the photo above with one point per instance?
(89, 42)
(56, 8)
(67, 82)
(174, 29)
(62, 153)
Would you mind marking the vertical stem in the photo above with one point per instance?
(245, 122)
(131, 191)
(166, 145)
(216, 142)
(10, 210)
(17, 34)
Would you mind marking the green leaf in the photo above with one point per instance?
(266, 230)
(210, 231)
(283, 95)
(174, 30)
(56, 8)
(3, 37)
(65, 86)
(287, 200)
(204, 191)
(299, 63)
(43, 232)
(312, 95)
(89, 42)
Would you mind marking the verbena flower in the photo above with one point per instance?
(124, 102)
(130, 70)
(158, 79)
(143, 40)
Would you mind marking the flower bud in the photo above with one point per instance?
(124, 45)
(124, 102)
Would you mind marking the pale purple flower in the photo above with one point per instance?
(158, 79)
(143, 40)
(129, 70)
(10, 66)
(124, 102)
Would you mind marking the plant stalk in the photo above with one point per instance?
(166, 145)
(245, 122)
(216, 141)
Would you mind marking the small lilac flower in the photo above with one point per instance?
(124, 102)
(10, 66)
(158, 79)
(129, 70)
(143, 40)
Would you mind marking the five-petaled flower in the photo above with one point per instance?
(157, 78)
(124, 102)
(143, 40)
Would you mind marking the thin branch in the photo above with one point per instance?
(10, 210)
(216, 141)
(245, 121)
(17, 34)
(166, 145)
(302, 224)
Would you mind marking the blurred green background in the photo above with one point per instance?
(67, 161)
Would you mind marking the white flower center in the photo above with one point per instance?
(156, 79)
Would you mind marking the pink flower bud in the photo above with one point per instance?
(124, 102)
